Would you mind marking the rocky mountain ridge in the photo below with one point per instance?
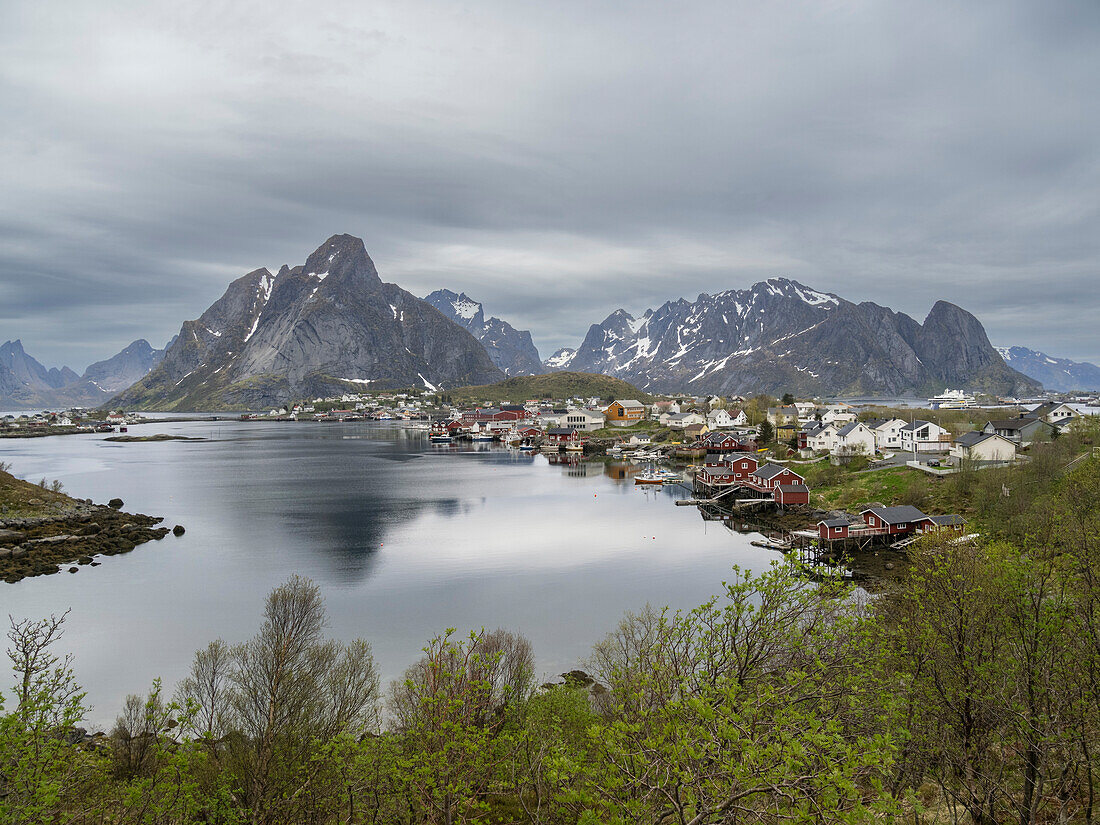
(782, 336)
(26, 384)
(512, 350)
(326, 327)
(1057, 374)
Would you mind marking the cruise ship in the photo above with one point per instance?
(953, 400)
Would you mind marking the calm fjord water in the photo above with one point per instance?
(404, 538)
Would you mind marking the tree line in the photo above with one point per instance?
(969, 693)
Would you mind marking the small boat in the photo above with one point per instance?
(483, 437)
(650, 477)
(574, 448)
(527, 448)
(440, 439)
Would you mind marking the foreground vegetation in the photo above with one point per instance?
(971, 693)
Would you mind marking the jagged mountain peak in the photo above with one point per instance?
(319, 329)
(779, 334)
(342, 257)
(510, 349)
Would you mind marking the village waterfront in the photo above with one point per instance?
(404, 537)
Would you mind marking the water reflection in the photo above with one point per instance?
(405, 539)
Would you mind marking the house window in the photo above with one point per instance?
(837, 529)
(901, 526)
(871, 521)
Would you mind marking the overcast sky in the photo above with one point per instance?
(554, 160)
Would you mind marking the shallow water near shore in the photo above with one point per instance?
(404, 538)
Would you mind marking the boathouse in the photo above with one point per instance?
(902, 518)
(771, 476)
(935, 524)
(563, 435)
(834, 528)
(787, 495)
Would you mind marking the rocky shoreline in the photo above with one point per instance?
(69, 540)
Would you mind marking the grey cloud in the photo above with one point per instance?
(554, 161)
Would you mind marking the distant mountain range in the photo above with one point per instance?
(26, 384)
(512, 350)
(782, 336)
(332, 326)
(327, 327)
(1058, 374)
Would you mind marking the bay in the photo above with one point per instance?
(404, 538)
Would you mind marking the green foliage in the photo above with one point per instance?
(766, 432)
(559, 385)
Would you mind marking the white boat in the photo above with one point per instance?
(483, 437)
(953, 400)
(436, 438)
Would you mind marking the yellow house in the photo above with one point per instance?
(619, 412)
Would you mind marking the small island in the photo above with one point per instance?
(43, 531)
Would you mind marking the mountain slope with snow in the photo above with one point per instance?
(318, 329)
(779, 336)
(512, 350)
(1058, 374)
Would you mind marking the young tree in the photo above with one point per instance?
(450, 711)
(761, 707)
(766, 432)
(280, 696)
(44, 776)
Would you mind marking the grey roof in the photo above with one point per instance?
(916, 425)
(629, 403)
(560, 431)
(946, 521)
(1016, 424)
(901, 514)
(847, 428)
(771, 471)
(973, 438)
(793, 488)
(834, 522)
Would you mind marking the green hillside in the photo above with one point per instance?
(552, 385)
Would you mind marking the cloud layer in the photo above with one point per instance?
(555, 161)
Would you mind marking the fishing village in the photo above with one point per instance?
(836, 484)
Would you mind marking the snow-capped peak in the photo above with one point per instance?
(561, 359)
(465, 308)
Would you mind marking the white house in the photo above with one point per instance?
(681, 421)
(838, 414)
(1053, 413)
(979, 446)
(821, 437)
(925, 437)
(854, 438)
(720, 419)
(887, 433)
(581, 419)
